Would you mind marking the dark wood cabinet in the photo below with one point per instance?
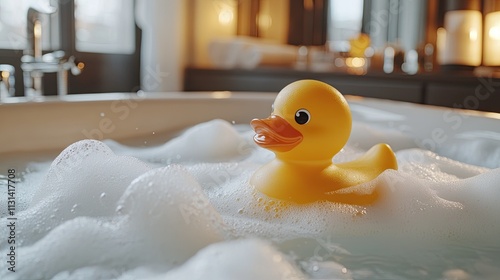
(479, 96)
(449, 89)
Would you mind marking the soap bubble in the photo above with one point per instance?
(185, 210)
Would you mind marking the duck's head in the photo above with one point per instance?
(311, 121)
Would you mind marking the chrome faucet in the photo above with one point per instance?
(7, 81)
(34, 64)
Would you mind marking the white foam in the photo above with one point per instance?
(240, 259)
(477, 147)
(100, 213)
(169, 207)
(212, 141)
(86, 179)
(161, 217)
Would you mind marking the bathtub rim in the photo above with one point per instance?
(36, 125)
(226, 105)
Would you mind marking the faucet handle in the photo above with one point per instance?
(75, 67)
(27, 58)
(54, 56)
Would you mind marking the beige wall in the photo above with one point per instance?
(273, 20)
(209, 19)
(205, 25)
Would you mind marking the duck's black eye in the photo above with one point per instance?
(302, 116)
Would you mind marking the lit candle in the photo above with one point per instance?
(460, 41)
(491, 55)
(462, 44)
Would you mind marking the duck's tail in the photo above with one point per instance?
(378, 158)
(382, 155)
(367, 167)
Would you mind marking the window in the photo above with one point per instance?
(100, 26)
(13, 24)
(345, 18)
(101, 34)
(105, 26)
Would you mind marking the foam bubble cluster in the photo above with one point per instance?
(213, 141)
(185, 210)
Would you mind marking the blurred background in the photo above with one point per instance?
(435, 52)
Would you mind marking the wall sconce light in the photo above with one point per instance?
(264, 21)
(225, 11)
(491, 47)
(226, 15)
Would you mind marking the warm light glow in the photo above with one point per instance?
(37, 29)
(494, 32)
(37, 40)
(221, 94)
(440, 44)
(473, 34)
(463, 40)
(264, 21)
(226, 15)
(355, 65)
(5, 75)
(225, 10)
(355, 62)
(491, 50)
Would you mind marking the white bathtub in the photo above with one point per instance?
(51, 123)
(44, 128)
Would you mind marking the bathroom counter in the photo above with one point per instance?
(449, 89)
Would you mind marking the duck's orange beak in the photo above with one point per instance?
(275, 133)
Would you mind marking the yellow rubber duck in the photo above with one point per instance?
(310, 123)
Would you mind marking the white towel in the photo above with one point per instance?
(248, 53)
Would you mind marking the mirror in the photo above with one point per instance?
(345, 20)
(399, 23)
